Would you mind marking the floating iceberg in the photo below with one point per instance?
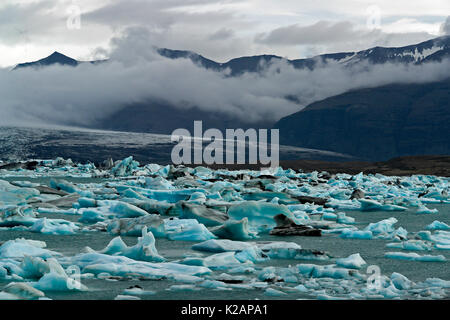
(186, 230)
(144, 250)
(260, 214)
(221, 245)
(133, 226)
(353, 261)
(424, 210)
(54, 226)
(234, 230)
(20, 248)
(414, 257)
(57, 279)
(437, 225)
(20, 291)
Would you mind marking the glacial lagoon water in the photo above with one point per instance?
(372, 252)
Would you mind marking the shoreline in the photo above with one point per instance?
(438, 165)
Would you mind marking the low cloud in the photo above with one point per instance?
(445, 27)
(135, 73)
(326, 36)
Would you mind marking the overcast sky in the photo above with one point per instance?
(220, 30)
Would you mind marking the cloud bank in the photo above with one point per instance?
(135, 73)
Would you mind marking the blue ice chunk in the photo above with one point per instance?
(58, 280)
(424, 210)
(87, 202)
(33, 267)
(356, 234)
(221, 245)
(354, 261)
(382, 228)
(223, 260)
(329, 216)
(327, 271)
(412, 256)
(54, 226)
(252, 254)
(342, 218)
(64, 185)
(207, 216)
(121, 266)
(260, 214)
(437, 225)
(91, 215)
(187, 230)
(274, 293)
(12, 195)
(122, 209)
(373, 205)
(144, 250)
(21, 247)
(133, 226)
(11, 216)
(235, 230)
(412, 245)
(400, 281)
(126, 167)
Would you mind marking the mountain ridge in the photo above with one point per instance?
(431, 50)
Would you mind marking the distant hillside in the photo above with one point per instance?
(378, 123)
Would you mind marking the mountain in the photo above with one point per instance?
(373, 124)
(54, 58)
(146, 117)
(431, 50)
(376, 123)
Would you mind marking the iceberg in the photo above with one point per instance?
(144, 250)
(424, 210)
(413, 245)
(20, 248)
(260, 214)
(356, 234)
(20, 291)
(54, 226)
(401, 282)
(221, 245)
(120, 266)
(414, 257)
(207, 216)
(57, 279)
(274, 293)
(437, 225)
(12, 216)
(373, 205)
(133, 226)
(126, 167)
(186, 230)
(353, 261)
(234, 230)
